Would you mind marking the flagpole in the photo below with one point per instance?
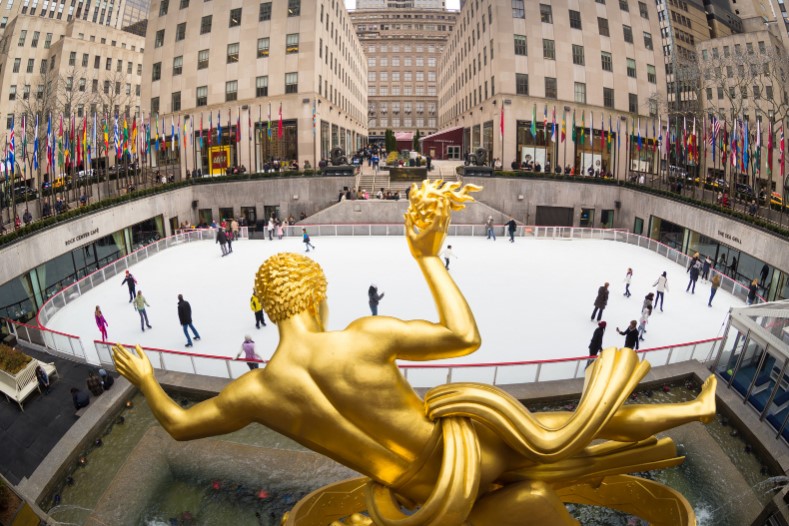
(564, 155)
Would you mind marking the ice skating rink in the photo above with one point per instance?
(532, 299)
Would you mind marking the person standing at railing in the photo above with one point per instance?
(257, 308)
(140, 303)
(185, 317)
(694, 275)
(600, 302)
(596, 345)
(714, 284)
(705, 269)
(234, 228)
(631, 335)
(752, 291)
(102, 323)
(248, 349)
(131, 283)
(628, 278)
(662, 287)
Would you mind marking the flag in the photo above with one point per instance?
(35, 146)
(268, 126)
(279, 124)
(564, 128)
(602, 131)
(201, 130)
(573, 132)
(583, 127)
(533, 129)
(50, 159)
(60, 142)
(173, 137)
(106, 135)
(185, 131)
(610, 131)
(117, 139)
(545, 117)
(219, 128)
(745, 148)
(758, 156)
(501, 121)
(781, 150)
(315, 117)
(770, 149)
(638, 138)
(210, 128)
(192, 130)
(134, 136)
(67, 146)
(78, 147)
(668, 135)
(24, 142)
(238, 126)
(618, 136)
(553, 125)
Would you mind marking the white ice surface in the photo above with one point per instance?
(532, 299)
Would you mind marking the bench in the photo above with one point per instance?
(18, 387)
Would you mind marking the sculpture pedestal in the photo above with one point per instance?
(475, 171)
(338, 171)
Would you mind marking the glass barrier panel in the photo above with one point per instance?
(177, 363)
(682, 353)
(473, 374)
(657, 358)
(427, 377)
(730, 351)
(154, 356)
(761, 382)
(516, 374)
(344, 230)
(206, 366)
(378, 230)
(703, 351)
(557, 370)
(104, 351)
(238, 369)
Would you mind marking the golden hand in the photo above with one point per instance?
(136, 367)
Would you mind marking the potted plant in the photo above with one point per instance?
(11, 360)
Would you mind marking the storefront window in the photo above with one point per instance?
(537, 149)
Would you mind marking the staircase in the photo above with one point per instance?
(372, 183)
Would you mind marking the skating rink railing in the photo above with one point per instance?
(426, 375)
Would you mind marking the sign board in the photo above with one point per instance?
(402, 174)
(218, 159)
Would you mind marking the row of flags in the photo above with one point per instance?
(80, 139)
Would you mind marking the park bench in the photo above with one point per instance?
(20, 386)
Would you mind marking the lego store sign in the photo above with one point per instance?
(219, 159)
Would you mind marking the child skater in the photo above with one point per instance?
(102, 323)
(628, 277)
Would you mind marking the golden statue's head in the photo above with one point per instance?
(288, 284)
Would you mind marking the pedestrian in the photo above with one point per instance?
(102, 323)
(705, 269)
(280, 232)
(270, 228)
(448, 253)
(511, 228)
(733, 268)
(43, 379)
(596, 344)
(763, 275)
(600, 302)
(80, 398)
(374, 298)
(107, 380)
(631, 335)
(234, 228)
(185, 317)
(229, 236)
(221, 238)
(27, 217)
(752, 291)
(131, 283)
(139, 304)
(305, 237)
(94, 384)
(662, 287)
(628, 278)
(489, 228)
(257, 308)
(646, 312)
(714, 284)
(248, 349)
(694, 276)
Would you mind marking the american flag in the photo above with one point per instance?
(716, 128)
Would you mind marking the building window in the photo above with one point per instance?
(580, 92)
(546, 14)
(623, 5)
(631, 68)
(608, 97)
(548, 49)
(261, 86)
(628, 33)
(30, 65)
(265, 12)
(22, 37)
(119, 66)
(263, 44)
(72, 58)
(176, 101)
(163, 7)
(184, 4)
(235, 17)
(85, 58)
(520, 45)
(180, 32)
(602, 26)
(108, 64)
(43, 66)
(96, 62)
(12, 92)
(205, 24)
(578, 55)
(651, 74)
(648, 40)
(768, 92)
(291, 82)
(550, 87)
(575, 19)
(178, 65)
(157, 71)
(292, 43)
(231, 90)
(632, 103)
(159, 41)
(642, 9)
(26, 92)
(34, 42)
(606, 61)
(232, 53)
(155, 106)
(48, 41)
(521, 84)
(518, 10)
(294, 7)
(202, 96)
(17, 64)
(202, 59)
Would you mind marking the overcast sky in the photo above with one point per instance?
(451, 4)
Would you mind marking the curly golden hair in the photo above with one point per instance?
(288, 284)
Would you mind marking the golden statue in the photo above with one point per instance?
(468, 454)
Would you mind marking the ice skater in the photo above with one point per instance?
(101, 322)
(489, 228)
(630, 334)
(694, 275)
(305, 237)
(446, 254)
(715, 282)
(600, 302)
(512, 226)
(662, 287)
(628, 278)
(752, 292)
(257, 308)
(270, 228)
(596, 344)
(642, 322)
(229, 236)
(140, 303)
(131, 283)
(221, 238)
(248, 349)
(185, 317)
(374, 298)
(705, 269)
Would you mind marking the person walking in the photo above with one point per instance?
(374, 298)
(628, 278)
(229, 236)
(714, 284)
(705, 269)
(131, 283)
(600, 302)
(763, 275)
(596, 344)
(446, 254)
(631, 335)
(248, 350)
(512, 226)
(642, 322)
(305, 237)
(43, 379)
(221, 238)
(185, 317)
(94, 384)
(662, 287)
(101, 322)
(140, 304)
(489, 228)
(752, 292)
(694, 276)
(257, 308)
(270, 228)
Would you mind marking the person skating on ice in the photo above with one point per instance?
(628, 278)
(101, 322)
(229, 237)
(140, 304)
(185, 317)
(257, 308)
(305, 238)
(694, 275)
(705, 269)
(631, 335)
(752, 292)
(221, 238)
(662, 287)
(715, 282)
(489, 228)
(600, 302)
(642, 322)
(373, 298)
(512, 226)
(446, 254)
(596, 344)
(131, 283)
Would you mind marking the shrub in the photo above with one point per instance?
(11, 360)
(392, 158)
